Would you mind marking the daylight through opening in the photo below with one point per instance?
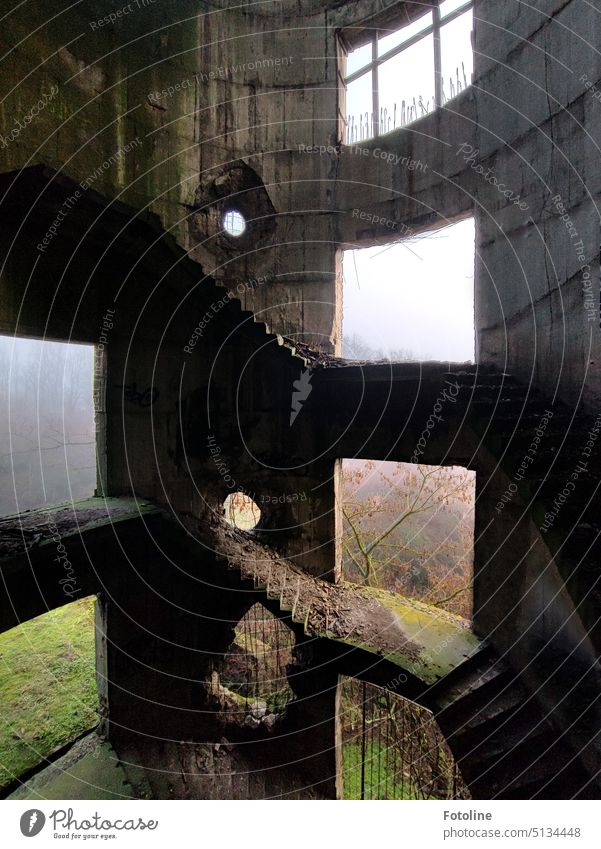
(411, 300)
(234, 223)
(47, 686)
(404, 73)
(241, 511)
(409, 529)
(252, 684)
(47, 433)
(392, 748)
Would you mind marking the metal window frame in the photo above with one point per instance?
(435, 29)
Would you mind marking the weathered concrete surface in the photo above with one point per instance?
(28, 533)
(104, 76)
(163, 403)
(89, 770)
(531, 122)
(195, 102)
(49, 558)
(219, 770)
(531, 119)
(418, 638)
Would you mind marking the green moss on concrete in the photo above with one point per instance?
(440, 640)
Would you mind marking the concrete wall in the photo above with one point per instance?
(199, 91)
(538, 126)
(270, 85)
(227, 108)
(531, 123)
(182, 82)
(518, 151)
(96, 78)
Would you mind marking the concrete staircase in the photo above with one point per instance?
(500, 738)
(499, 735)
(377, 627)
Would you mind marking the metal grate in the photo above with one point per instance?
(253, 686)
(393, 748)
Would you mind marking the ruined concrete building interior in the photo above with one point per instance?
(312, 570)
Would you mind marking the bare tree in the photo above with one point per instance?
(355, 347)
(409, 528)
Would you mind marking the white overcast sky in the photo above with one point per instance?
(418, 294)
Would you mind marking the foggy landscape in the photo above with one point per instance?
(47, 451)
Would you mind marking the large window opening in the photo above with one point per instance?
(405, 73)
(47, 686)
(409, 529)
(47, 433)
(412, 300)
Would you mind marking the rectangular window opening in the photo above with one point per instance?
(413, 299)
(48, 687)
(404, 73)
(47, 423)
(409, 529)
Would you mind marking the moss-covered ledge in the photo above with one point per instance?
(55, 555)
(445, 640)
(32, 530)
(420, 639)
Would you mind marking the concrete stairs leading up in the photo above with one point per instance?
(500, 737)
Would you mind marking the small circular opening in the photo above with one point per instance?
(241, 511)
(234, 223)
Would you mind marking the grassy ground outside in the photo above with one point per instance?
(381, 781)
(47, 686)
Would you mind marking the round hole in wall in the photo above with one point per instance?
(241, 512)
(234, 223)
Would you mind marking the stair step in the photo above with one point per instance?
(493, 741)
(301, 611)
(533, 763)
(496, 714)
(475, 701)
(471, 681)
